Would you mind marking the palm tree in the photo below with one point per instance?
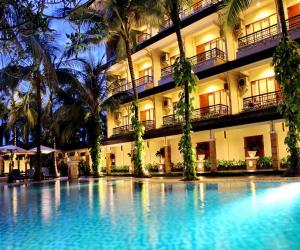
(119, 19)
(83, 91)
(182, 77)
(286, 67)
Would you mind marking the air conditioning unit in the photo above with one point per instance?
(165, 57)
(167, 103)
(243, 82)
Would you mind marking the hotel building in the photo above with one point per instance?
(236, 97)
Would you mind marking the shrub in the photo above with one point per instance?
(283, 162)
(63, 169)
(231, 165)
(207, 165)
(119, 169)
(84, 169)
(152, 167)
(178, 167)
(264, 162)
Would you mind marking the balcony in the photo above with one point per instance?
(123, 130)
(266, 38)
(207, 59)
(209, 112)
(262, 101)
(142, 83)
(195, 8)
(202, 61)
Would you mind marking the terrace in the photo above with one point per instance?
(142, 83)
(209, 112)
(262, 101)
(126, 129)
(267, 37)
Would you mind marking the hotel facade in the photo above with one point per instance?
(235, 100)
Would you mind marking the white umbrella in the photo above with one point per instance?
(44, 150)
(12, 149)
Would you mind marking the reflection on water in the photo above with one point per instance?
(123, 214)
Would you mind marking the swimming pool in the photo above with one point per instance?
(124, 214)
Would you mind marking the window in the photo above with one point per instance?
(145, 72)
(125, 120)
(263, 86)
(261, 24)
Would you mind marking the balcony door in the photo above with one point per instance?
(209, 102)
(146, 115)
(261, 24)
(145, 72)
(265, 86)
(200, 49)
(294, 11)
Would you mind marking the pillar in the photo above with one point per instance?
(212, 152)
(168, 163)
(73, 169)
(274, 150)
(108, 163)
(274, 146)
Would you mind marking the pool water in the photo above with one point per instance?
(124, 214)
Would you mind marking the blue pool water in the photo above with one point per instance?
(123, 214)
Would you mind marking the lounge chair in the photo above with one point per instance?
(46, 174)
(15, 175)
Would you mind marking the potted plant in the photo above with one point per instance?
(201, 147)
(161, 154)
(252, 148)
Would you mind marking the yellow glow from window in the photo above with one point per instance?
(148, 106)
(211, 88)
(263, 14)
(207, 38)
(268, 73)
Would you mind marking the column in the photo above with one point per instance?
(274, 147)
(108, 163)
(168, 163)
(212, 151)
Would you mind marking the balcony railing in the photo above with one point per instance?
(197, 59)
(207, 55)
(268, 32)
(141, 83)
(196, 7)
(148, 124)
(263, 100)
(209, 112)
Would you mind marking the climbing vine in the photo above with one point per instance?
(95, 128)
(286, 61)
(138, 153)
(183, 75)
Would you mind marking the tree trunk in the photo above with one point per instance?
(186, 84)
(38, 132)
(138, 168)
(281, 15)
(132, 76)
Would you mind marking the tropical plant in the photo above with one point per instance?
(160, 153)
(286, 66)
(120, 19)
(84, 99)
(84, 169)
(185, 78)
(264, 162)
